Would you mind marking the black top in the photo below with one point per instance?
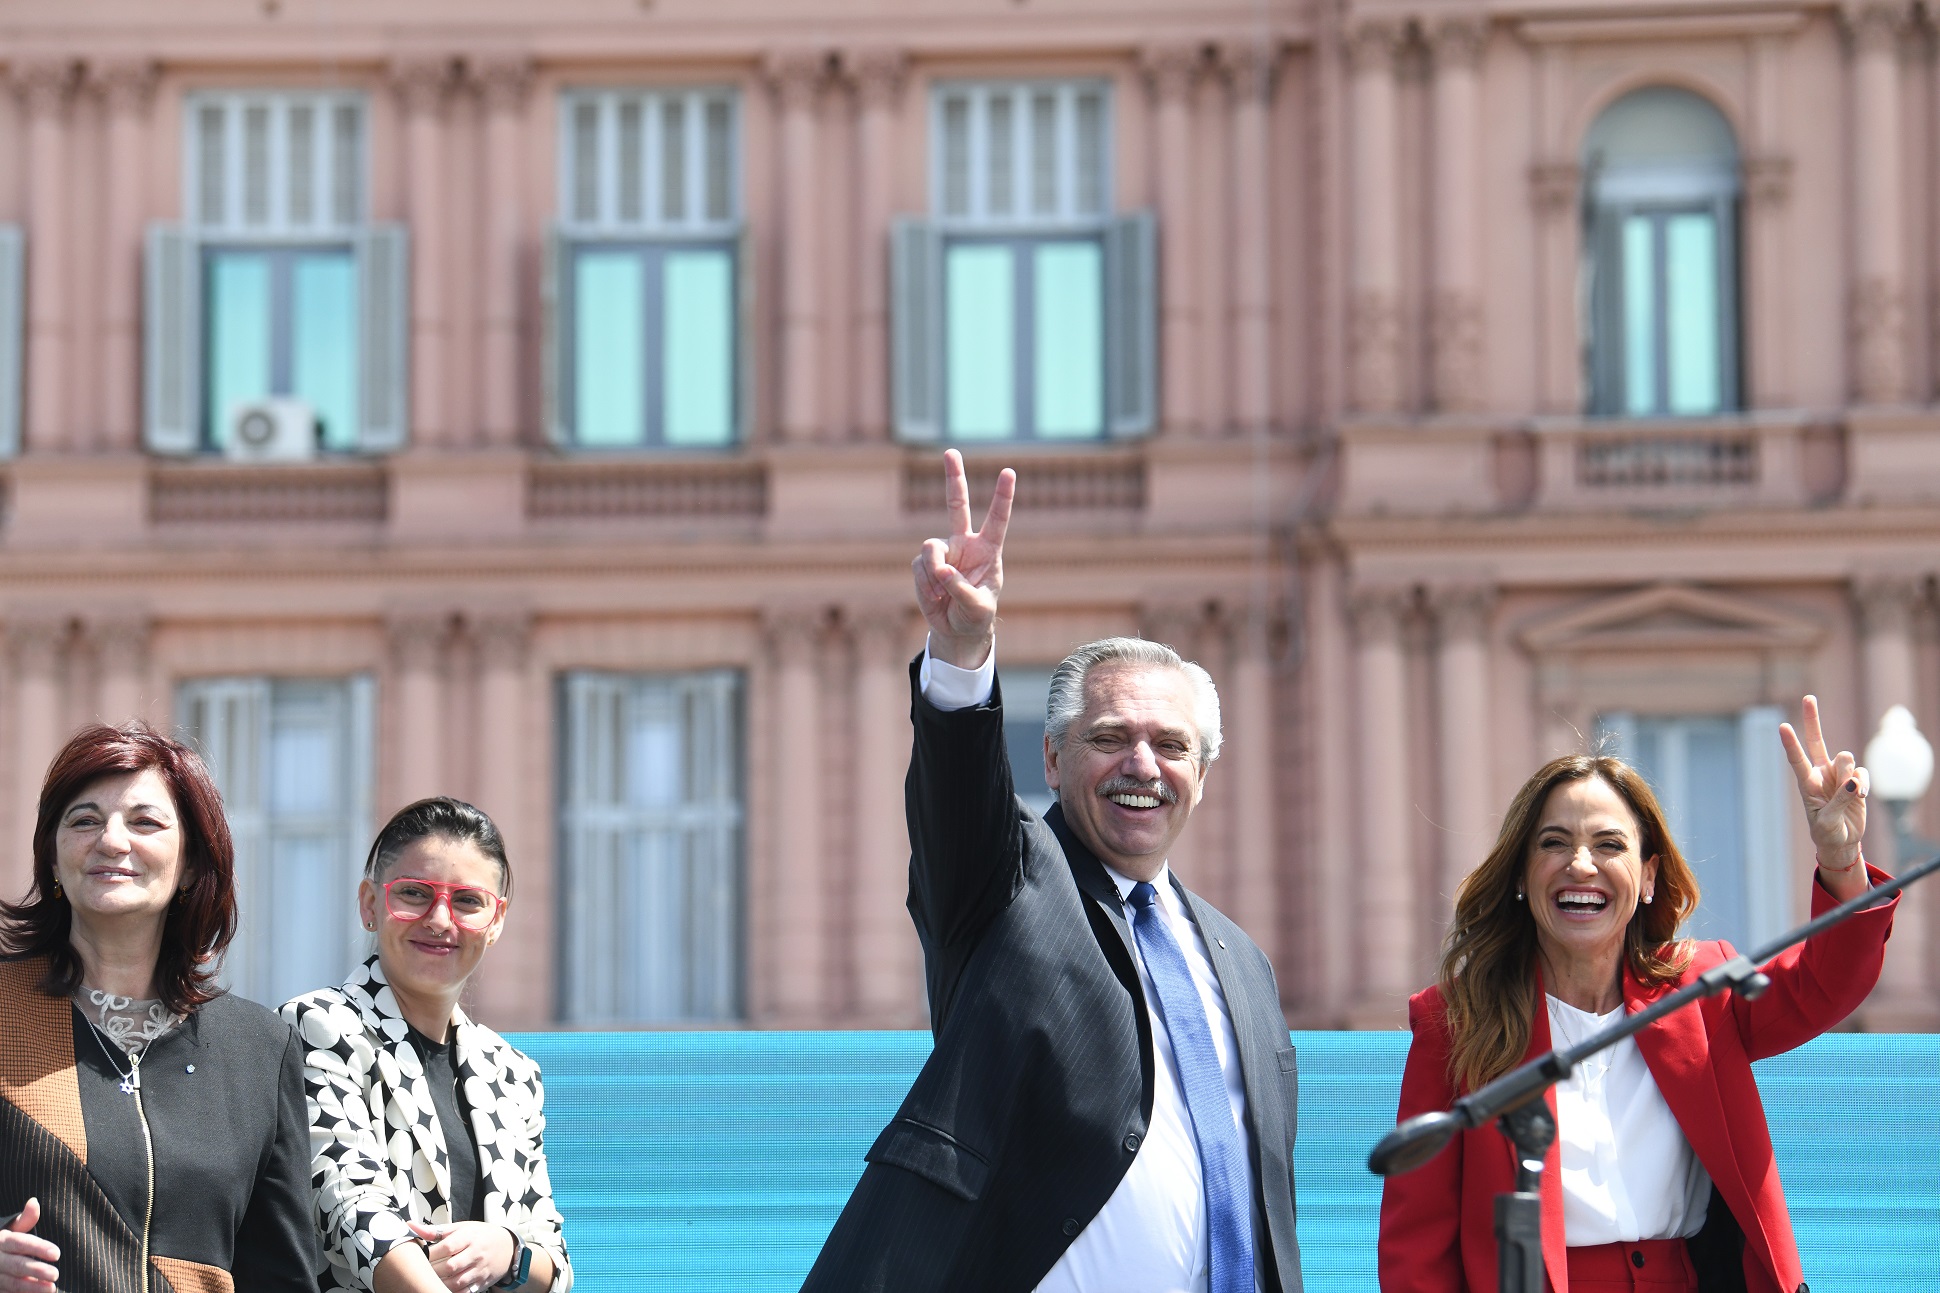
(454, 1115)
(223, 1098)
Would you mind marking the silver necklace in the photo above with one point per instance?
(131, 1077)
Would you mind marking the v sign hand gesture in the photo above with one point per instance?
(958, 579)
(1833, 787)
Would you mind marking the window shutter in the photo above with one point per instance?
(744, 335)
(916, 329)
(1768, 807)
(228, 719)
(1131, 323)
(12, 266)
(383, 277)
(555, 361)
(172, 341)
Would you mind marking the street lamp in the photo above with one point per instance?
(1900, 761)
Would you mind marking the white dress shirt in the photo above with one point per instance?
(1628, 1171)
(1151, 1236)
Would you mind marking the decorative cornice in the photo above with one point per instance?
(1171, 69)
(879, 73)
(422, 81)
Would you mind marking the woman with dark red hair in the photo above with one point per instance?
(152, 1129)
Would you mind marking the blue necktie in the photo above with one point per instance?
(1222, 1156)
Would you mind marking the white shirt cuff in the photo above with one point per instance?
(948, 687)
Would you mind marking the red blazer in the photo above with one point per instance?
(1438, 1221)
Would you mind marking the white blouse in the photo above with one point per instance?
(1628, 1171)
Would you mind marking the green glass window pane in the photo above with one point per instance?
(1693, 364)
(1639, 317)
(980, 324)
(697, 320)
(238, 335)
(323, 330)
(1068, 372)
(609, 348)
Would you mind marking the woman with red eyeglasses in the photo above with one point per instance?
(429, 1164)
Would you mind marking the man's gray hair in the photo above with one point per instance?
(1067, 699)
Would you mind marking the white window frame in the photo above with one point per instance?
(248, 701)
(650, 232)
(1066, 215)
(613, 968)
(278, 225)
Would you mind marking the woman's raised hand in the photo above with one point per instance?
(1833, 788)
(27, 1260)
(958, 579)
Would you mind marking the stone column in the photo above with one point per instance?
(1455, 304)
(1769, 286)
(521, 967)
(1252, 70)
(1170, 71)
(37, 645)
(1387, 880)
(1374, 220)
(1247, 765)
(1199, 856)
(798, 940)
(1886, 604)
(1465, 718)
(121, 648)
(46, 86)
(889, 981)
(423, 84)
(418, 641)
(879, 76)
(503, 80)
(127, 86)
(1553, 189)
(1878, 309)
(796, 78)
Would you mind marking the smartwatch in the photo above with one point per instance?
(521, 1268)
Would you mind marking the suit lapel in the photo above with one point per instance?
(426, 1134)
(1094, 882)
(1234, 987)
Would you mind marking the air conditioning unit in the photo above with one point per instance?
(275, 430)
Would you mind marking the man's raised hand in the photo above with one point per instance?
(958, 579)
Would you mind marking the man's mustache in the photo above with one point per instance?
(1131, 786)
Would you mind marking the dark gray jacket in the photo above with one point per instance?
(1037, 1096)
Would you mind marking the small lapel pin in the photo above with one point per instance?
(1221, 942)
(191, 1068)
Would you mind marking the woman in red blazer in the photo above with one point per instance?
(1662, 1176)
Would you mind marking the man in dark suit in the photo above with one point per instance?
(1110, 1105)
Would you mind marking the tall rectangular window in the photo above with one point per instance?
(644, 270)
(292, 758)
(276, 286)
(1723, 784)
(1026, 691)
(1673, 320)
(1019, 191)
(651, 829)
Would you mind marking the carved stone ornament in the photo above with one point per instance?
(1373, 45)
(795, 630)
(881, 633)
(126, 85)
(1374, 351)
(1877, 323)
(1171, 69)
(121, 643)
(1455, 345)
(1378, 611)
(502, 79)
(36, 642)
(879, 73)
(422, 81)
(1553, 187)
(1886, 602)
(1458, 40)
(1461, 610)
(796, 77)
(1876, 26)
(1252, 68)
(418, 639)
(502, 638)
(1768, 181)
(44, 84)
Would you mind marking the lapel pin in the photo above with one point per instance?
(189, 1069)
(1221, 942)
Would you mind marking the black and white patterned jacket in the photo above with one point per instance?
(378, 1149)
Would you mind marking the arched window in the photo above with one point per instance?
(1661, 175)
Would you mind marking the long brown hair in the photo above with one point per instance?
(1486, 974)
(202, 918)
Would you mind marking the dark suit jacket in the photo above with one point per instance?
(1039, 1091)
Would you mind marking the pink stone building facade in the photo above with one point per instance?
(1459, 383)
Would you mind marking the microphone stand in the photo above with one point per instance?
(1515, 1101)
